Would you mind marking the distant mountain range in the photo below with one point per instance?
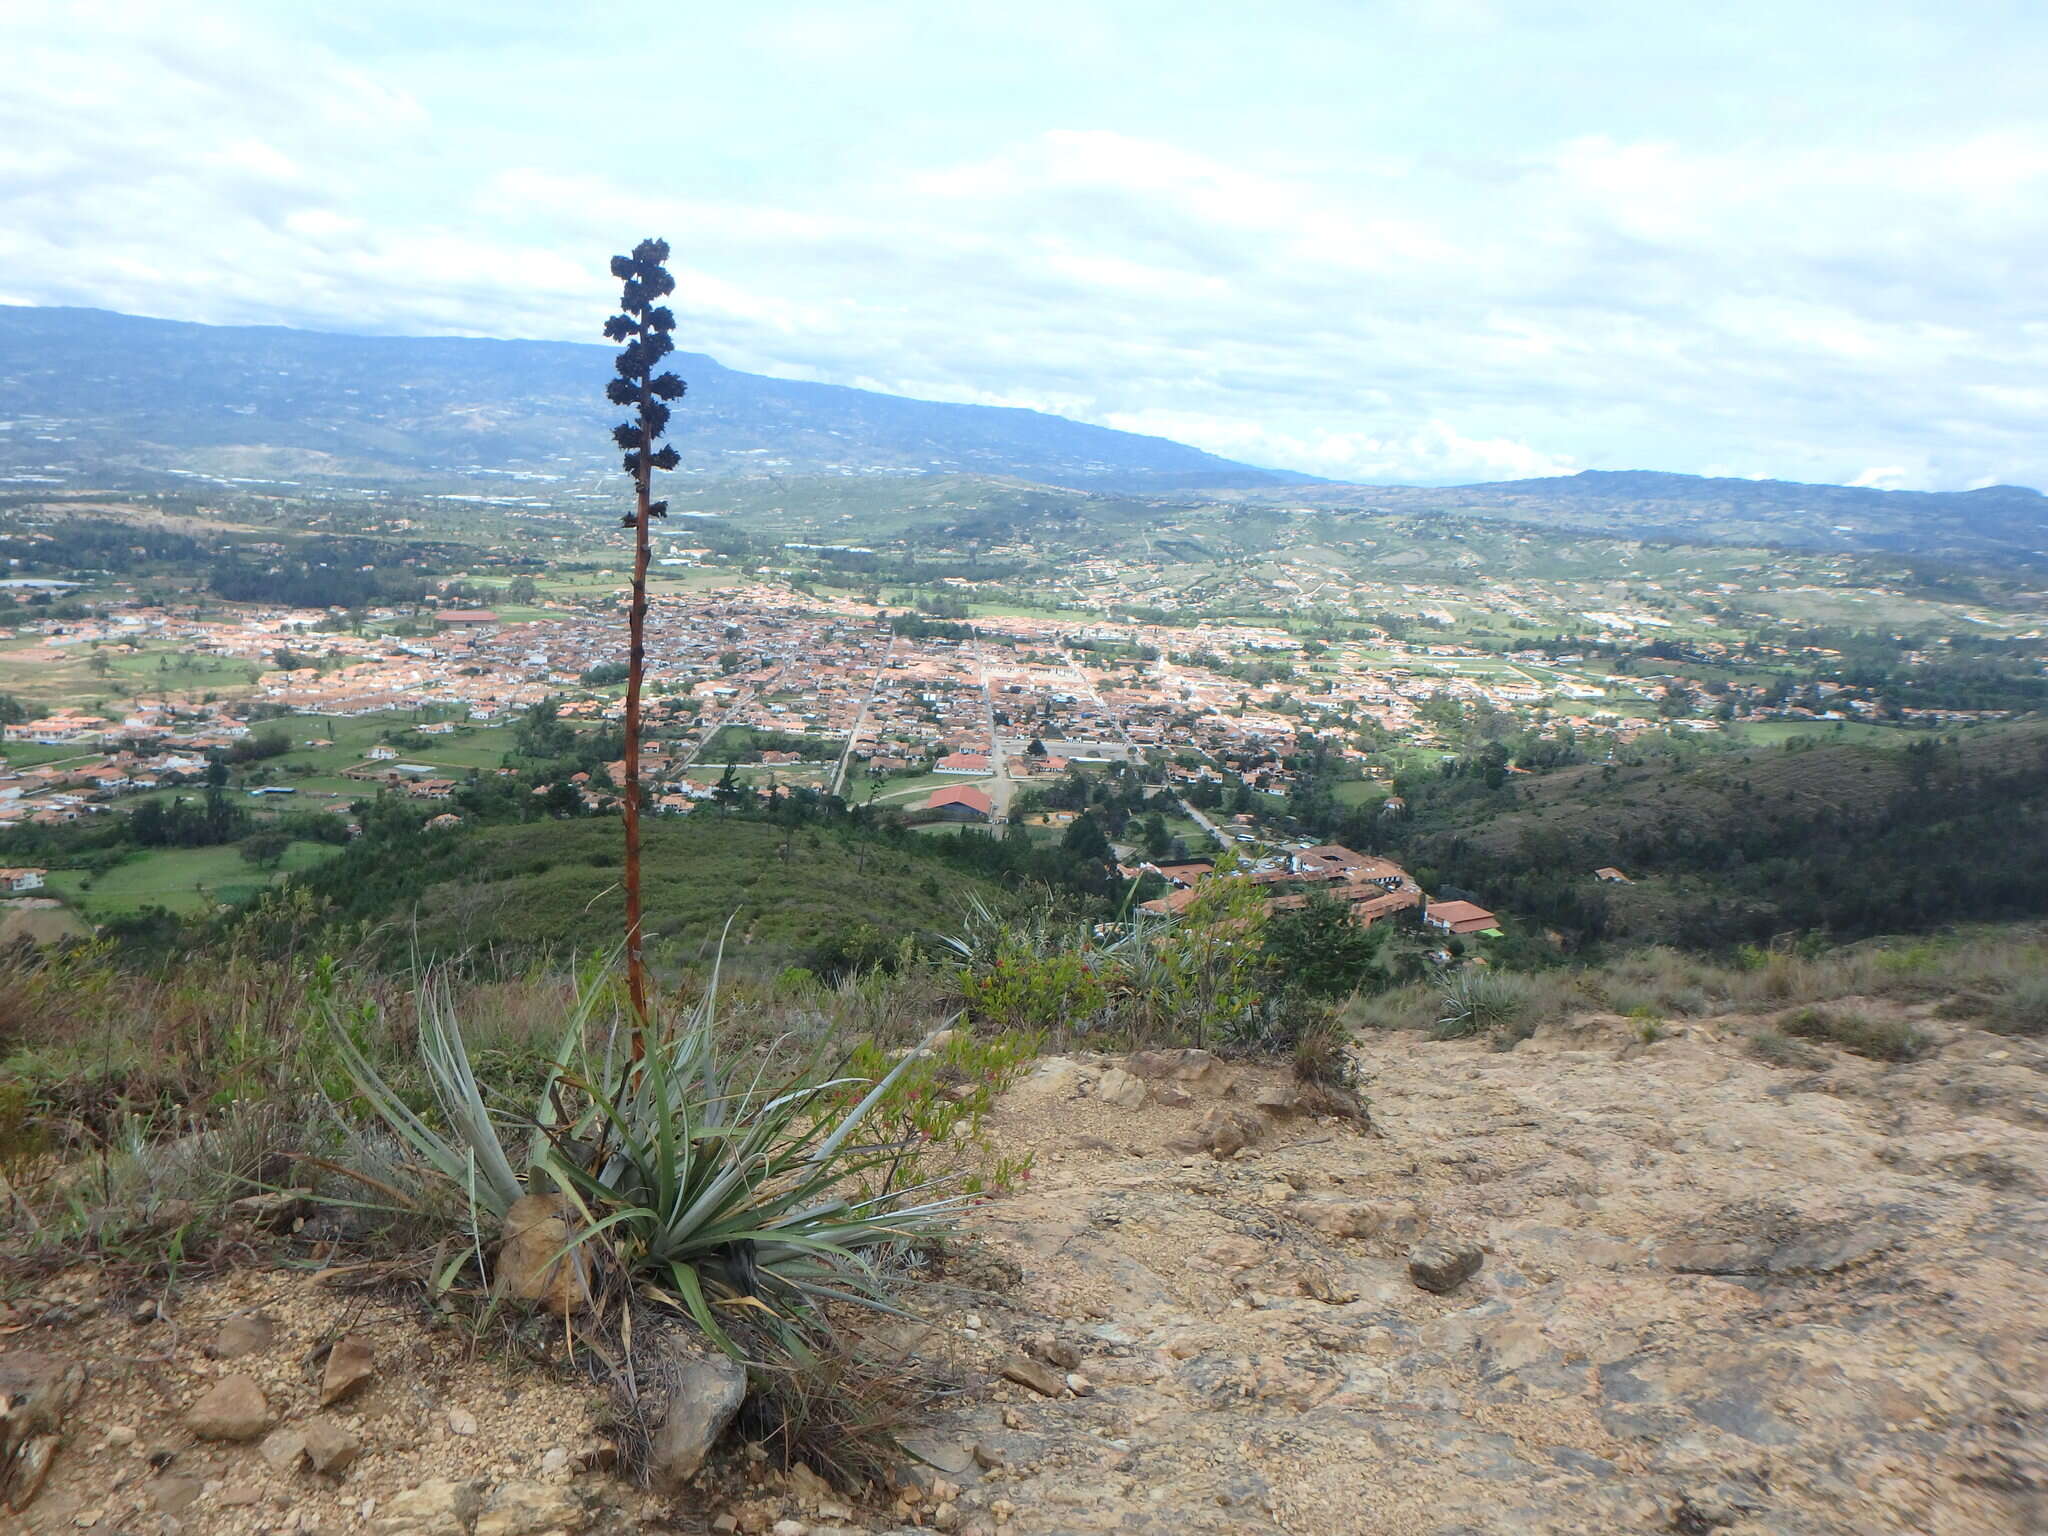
(1998, 522)
(94, 393)
(87, 395)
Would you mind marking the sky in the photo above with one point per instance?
(1413, 241)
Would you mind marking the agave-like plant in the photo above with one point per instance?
(720, 1197)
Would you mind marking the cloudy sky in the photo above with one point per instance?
(1403, 240)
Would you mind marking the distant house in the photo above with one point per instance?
(430, 789)
(1612, 875)
(962, 762)
(1460, 917)
(467, 618)
(21, 879)
(960, 802)
(444, 821)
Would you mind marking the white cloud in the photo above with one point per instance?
(1531, 304)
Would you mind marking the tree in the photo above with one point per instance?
(1318, 949)
(1085, 838)
(1158, 841)
(643, 324)
(265, 850)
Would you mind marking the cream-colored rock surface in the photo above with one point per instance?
(1715, 1295)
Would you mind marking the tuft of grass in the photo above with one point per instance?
(1478, 1003)
(1857, 1033)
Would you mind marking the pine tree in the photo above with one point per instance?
(644, 325)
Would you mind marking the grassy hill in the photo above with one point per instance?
(555, 886)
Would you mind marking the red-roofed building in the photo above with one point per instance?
(960, 802)
(1459, 917)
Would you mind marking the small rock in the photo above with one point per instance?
(706, 1392)
(275, 1210)
(232, 1409)
(174, 1495)
(350, 1363)
(531, 1263)
(283, 1449)
(120, 1436)
(1121, 1090)
(789, 1528)
(1054, 1351)
(1442, 1267)
(1193, 1071)
(1027, 1372)
(331, 1446)
(246, 1333)
(461, 1421)
(1396, 1219)
(1221, 1132)
(1079, 1385)
(556, 1462)
(239, 1495)
(987, 1457)
(1324, 1286)
(807, 1487)
(438, 1508)
(529, 1509)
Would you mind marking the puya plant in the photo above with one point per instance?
(644, 324)
(741, 1199)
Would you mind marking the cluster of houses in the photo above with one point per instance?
(1372, 889)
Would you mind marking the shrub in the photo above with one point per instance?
(734, 1198)
(1878, 1039)
(931, 1118)
(2022, 1009)
(1781, 1050)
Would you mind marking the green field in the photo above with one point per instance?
(182, 879)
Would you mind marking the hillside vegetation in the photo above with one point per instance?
(1847, 837)
(793, 894)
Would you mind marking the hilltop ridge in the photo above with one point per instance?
(270, 400)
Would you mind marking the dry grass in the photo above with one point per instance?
(1997, 978)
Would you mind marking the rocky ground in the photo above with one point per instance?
(1711, 1294)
